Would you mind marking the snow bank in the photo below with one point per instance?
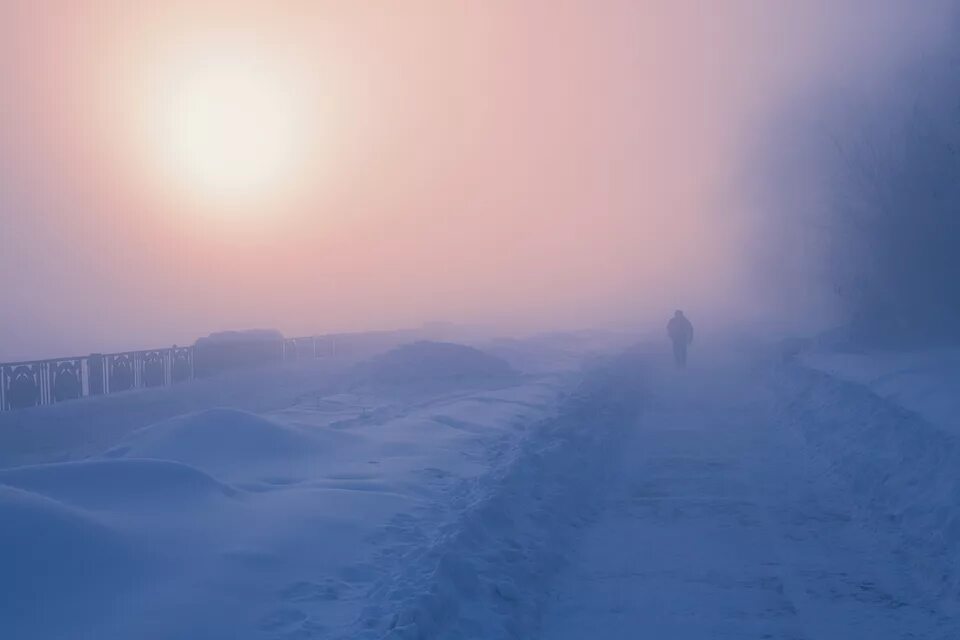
(117, 484)
(41, 536)
(222, 523)
(83, 428)
(555, 352)
(214, 438)
(926, 382)
(56, 563)
(433, 361)
(485, 574)
(904, 468)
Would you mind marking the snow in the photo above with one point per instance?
(117, 484)
(58, 563)
(220, 440)
(725, 523)
(433, 360)
(485, 574)
(82, 428)
(879, 423)
(234, 522)
(742, 498)
(926, 382)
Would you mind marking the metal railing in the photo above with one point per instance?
(34, 383)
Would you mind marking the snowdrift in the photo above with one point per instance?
(216, 437)
(58, 563)
(228, 524)
(925, 382)
(442, 361)
(553, 352)
(41, 536)
(905, 470)
(485, 574)
(117, 484)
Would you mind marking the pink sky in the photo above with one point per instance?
(530, 164)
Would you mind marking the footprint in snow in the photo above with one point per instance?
(281, 481)
(358, 573)
(313, 592)
(307, 631)
(434, 473)
(283, 619)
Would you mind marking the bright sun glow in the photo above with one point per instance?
(230, 128)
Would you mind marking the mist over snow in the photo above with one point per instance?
(855, 186)
(521, 166)
(504, 321)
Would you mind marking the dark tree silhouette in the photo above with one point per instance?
(874, 181)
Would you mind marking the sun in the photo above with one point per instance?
(229, 127)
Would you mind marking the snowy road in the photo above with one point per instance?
(722, 524)
(739, 499)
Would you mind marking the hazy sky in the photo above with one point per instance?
(170, 169)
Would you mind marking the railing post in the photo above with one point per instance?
(45, 378)
(95, 374)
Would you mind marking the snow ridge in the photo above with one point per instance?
(905, 470)
(485, 573)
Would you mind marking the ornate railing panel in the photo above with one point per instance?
(302, 348)
(181, 366)
(66, 380)
(154, 368)
(43, 382)
(22, 385)
(121, 372)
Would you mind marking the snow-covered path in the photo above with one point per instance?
(722, 524)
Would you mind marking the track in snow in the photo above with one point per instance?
(722, 525)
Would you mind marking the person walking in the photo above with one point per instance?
(681, 334)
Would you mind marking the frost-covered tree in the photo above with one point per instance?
(867, 194)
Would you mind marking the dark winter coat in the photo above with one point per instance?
(680, 330)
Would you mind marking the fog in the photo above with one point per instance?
(520, 165)
(856, 194)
